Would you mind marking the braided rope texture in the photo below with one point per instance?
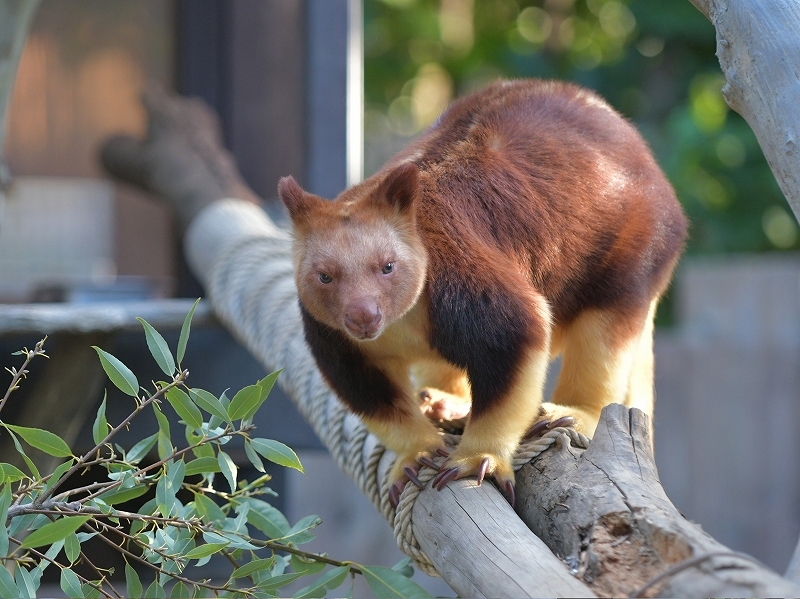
(251, 286)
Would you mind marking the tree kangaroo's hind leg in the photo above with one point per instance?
(607, 358)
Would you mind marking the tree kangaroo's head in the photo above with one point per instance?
(360, 263)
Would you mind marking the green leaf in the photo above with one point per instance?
(100, 426)
(228, 468)
(266, 385)
(208, 510)
(180, 591)
(245, 401)
(332, 579)
(185, 407)
(299, 534)
(254, 566)
(209, 403)
(54, 531)
(118, 373)
(158, 348)
(202, 466)
(184, 336)
(58, 473)
(253, 456)
(123, 495)
(155, 591)
(48, 442)
(163, 421)
(404, 567)
(70, 583)
(385, 582)
(277, 452)
(278, 581)
(28, 462)
(132, 583)
(266, 518)
(10, 474)
(205, 550)
(5, 503)
(72, 547)
(306, 566)
(141, 449)
(25, 583)
(8, 588)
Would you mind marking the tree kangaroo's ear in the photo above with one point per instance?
(298, 202)
(400, 188)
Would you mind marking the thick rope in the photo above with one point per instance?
(251, 286)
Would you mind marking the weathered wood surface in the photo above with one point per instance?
(605, 512)
(49, 319)
(481, 549)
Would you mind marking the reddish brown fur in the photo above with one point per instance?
(525, 206)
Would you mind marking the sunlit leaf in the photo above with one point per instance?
(158, 348)
(185, 329)
(205, 550)
(329, 581)
(54, 531)
(254, 566)
(100, 426)
(209, 403)
(123, 495)
(25, 583)
(299, 533)
(43, 440)
(245, 401)
(72, 547)
(266, 385)
(60, 470)
(228, 469)
(185, 407)
(385, 582)
(132, 583)
(208, 510)
(118, 373)
(202, 466)
(141, 449)
(10, 474)
(277, 452)
(266, 518)
(8, 588)
(155, 591)
(253, 456)
(70, 583)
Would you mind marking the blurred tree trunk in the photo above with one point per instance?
(758, 46)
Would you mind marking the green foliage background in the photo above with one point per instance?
(654, 60)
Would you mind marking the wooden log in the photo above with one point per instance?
(481, 549)
(605, 511)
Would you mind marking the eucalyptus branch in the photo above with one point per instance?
(18, 375)
(179, 378)
(41, 555)
(158, 569)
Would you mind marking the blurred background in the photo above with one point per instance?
(294, 81)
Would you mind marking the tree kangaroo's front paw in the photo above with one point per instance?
(442, 407)
(480, 465)
(406, 468)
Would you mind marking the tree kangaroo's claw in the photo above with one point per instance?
(508, 490)
(411, 473)
(444, 477)
(563, 421)
(394, 493)
(484, 466)
(443, 452)
(426, 461)
(538, 429)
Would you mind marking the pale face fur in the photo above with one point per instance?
(359, 276)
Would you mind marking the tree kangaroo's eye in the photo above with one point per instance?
(389, 267)
(325, 278)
